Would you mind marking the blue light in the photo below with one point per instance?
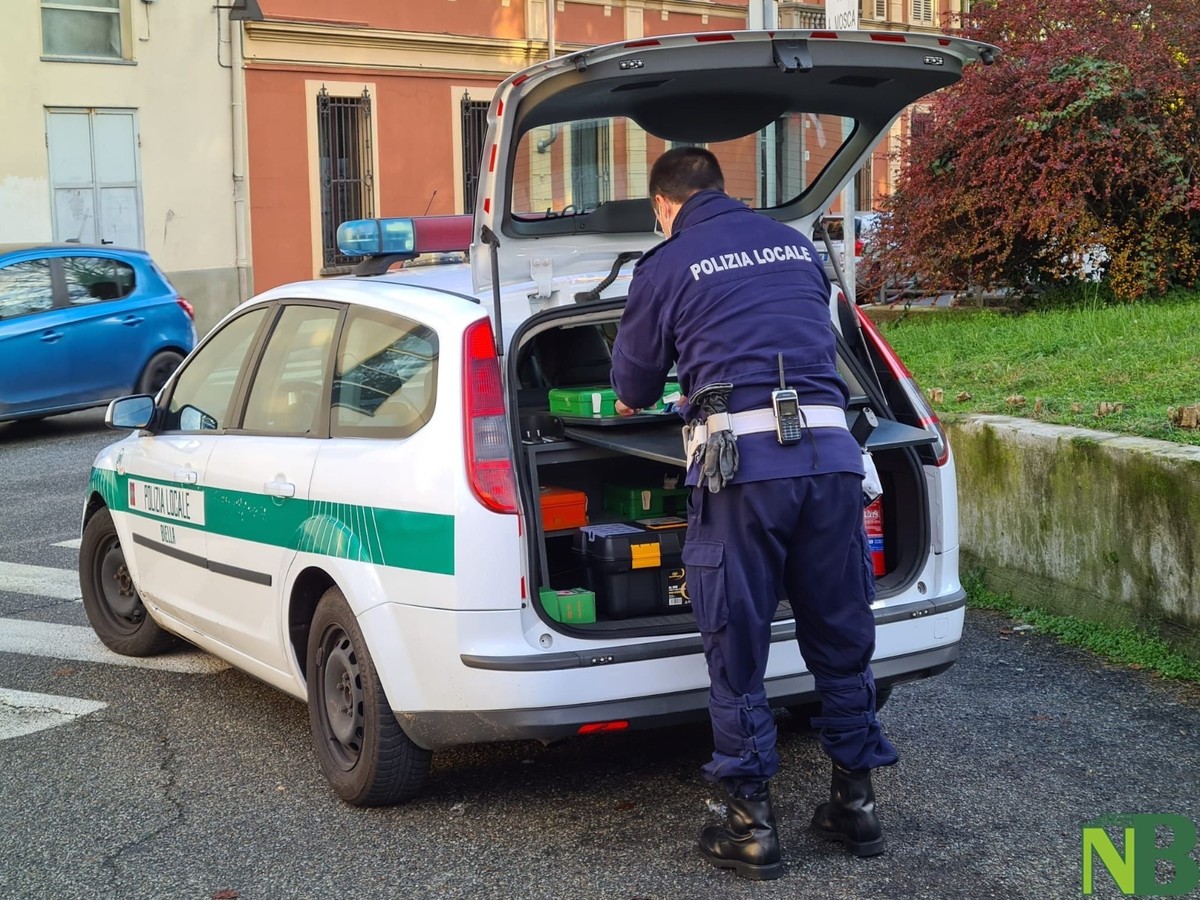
(371, 237)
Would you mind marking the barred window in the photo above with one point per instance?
(347, 180)
(84, 28)
(474, 130)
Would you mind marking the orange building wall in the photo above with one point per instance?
(413, 119)
(469, 17)
(578, 24)
(280, 206)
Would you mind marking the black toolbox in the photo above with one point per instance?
(633, 571)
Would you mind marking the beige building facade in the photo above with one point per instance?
(118, 127)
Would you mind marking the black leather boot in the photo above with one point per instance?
(748, 842)
(849, 816)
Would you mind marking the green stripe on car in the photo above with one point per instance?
(398, 538)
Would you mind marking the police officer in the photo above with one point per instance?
(724, 295)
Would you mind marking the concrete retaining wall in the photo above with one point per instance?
(1081, 522)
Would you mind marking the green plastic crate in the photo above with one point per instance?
(635, 502)
(596, 402)
(575, 606)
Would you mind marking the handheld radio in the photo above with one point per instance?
(786, 404)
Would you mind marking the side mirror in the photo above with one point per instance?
(130, 412)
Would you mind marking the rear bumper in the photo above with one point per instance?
(439, 730)
(436, 729)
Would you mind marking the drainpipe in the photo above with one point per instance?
(241, 211)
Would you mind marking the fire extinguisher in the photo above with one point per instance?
(873, 519)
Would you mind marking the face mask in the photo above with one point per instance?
(658, 226)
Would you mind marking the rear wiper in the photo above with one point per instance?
(594, 294)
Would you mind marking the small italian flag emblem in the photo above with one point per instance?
(132, 495)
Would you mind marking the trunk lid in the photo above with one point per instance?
(790, 114)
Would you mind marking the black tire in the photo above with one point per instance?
(110, 599)
(157, 371)
(364, 753)
(804, 713)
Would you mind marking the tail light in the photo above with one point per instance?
(186, 307)
(926, 417)
(487, 445)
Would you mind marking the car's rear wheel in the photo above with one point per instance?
(364, 753)
(157, 371)
(110, 599)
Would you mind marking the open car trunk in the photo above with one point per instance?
(626, 554)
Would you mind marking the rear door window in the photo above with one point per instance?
(91, 279)
(385, 383)
(25, 288)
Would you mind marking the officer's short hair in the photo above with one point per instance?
(681, 172)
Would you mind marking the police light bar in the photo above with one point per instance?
(409, 236)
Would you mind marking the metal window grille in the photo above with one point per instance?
(921, 122)
(347, 181)
(589, 164)
(474, 130)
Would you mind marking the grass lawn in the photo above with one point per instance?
(1139, 358)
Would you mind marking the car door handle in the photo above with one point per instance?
(49, 337)
(132, 320)
(280, 489)
(187, 476)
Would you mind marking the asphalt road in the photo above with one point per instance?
(201, 783)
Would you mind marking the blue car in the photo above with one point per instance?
(80, 325)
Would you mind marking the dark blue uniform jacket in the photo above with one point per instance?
(721, 297)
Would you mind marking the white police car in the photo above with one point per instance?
(340, 490)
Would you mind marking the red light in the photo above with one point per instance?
(708, 38)
(499, 108)
(186, 307)
(926, 417)
(492, 163)
(487, 204)
(890, 38)
(826, 35)
(646, 43)
(894, 363)
(520, 79)
(442, 234)
(600, 727)
(485, 425)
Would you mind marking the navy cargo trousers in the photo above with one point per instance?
(750, 546)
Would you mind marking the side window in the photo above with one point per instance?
(385, 383)
(93, 278)
(25, 288)
(203, 392)
(292, 380)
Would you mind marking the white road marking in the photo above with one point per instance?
(79, 643)
(39, 581)
(72, 544)
(22, 712)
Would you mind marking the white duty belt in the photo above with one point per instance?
(753, 421)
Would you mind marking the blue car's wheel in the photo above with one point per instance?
(157, 371)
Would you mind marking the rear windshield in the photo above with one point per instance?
(572, 168)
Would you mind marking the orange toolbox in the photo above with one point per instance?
(562, 508)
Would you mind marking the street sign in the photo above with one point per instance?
(841, 15)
